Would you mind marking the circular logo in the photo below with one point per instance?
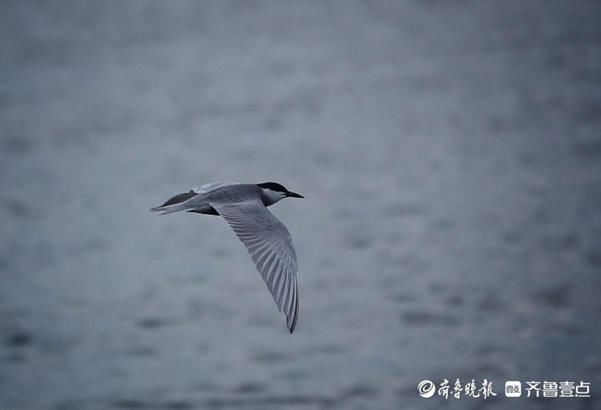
(426, 389)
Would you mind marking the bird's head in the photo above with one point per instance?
(272, 192)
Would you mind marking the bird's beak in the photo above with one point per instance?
(294, 194)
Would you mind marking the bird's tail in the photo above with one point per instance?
(169, 209)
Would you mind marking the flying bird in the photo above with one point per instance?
(244, 208)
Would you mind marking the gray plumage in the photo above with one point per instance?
(244, 207)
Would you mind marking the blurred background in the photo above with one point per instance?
(449, 152)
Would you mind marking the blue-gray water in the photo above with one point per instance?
(450, 154)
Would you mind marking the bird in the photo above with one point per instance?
(244, 208)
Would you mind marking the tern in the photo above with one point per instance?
(244, 208)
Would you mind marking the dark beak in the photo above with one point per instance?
(294, 194)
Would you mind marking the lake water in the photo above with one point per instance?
(449, 153)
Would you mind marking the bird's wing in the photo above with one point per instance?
(202, 190)
(206, 188)
(179, 198)
(270, 246)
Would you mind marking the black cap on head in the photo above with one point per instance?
(274, 186)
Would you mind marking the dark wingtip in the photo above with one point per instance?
(295, 318)
(179, 198)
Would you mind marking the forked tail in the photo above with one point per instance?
(175, 203)
(169, 209)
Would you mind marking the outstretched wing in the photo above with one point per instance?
(179, 198)
(270, 246)
(204, 189)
